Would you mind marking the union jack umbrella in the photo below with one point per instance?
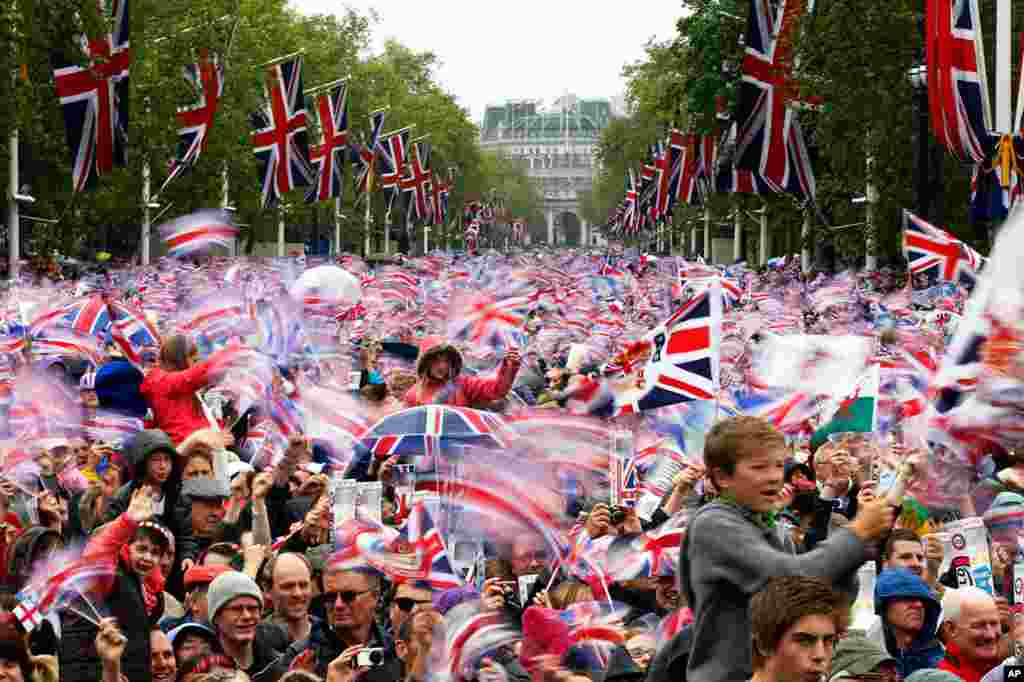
(279, 140)
(207, 78)
(936, 253)
(432, 429)
(94, 99)
(329, 156)
(769, 139)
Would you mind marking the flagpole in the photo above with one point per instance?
(278, 60)
(280, 231)
(14, 219)
(337, 226)
(146, 218)
(366, 246)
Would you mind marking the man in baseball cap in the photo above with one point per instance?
(235, 604)
(205, 497)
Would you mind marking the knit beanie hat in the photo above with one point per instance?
(1006, 515)
(856, 655)
(228, 586)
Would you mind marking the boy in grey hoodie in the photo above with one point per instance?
(732, 547)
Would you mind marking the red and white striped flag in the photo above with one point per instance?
(198, 232)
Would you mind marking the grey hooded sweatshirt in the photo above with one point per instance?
(725, 559)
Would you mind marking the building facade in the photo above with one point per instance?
(556, 145)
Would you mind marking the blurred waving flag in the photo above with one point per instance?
(198, 232)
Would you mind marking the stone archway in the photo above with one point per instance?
(569, 228)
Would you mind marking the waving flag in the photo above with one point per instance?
(207, 79)
(198, 232)
(770, 141)
(94, 99)
(683, 364)
(934, 252)
(487, 320)
(329, 156)
(279, 140)
(787, 411)
(431, 556)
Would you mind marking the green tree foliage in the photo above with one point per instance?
(856, 56)
(167, 34)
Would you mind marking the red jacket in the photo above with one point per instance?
(172, 396)
(961, 667)
(469, 391)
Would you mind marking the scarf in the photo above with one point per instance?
(763, 520)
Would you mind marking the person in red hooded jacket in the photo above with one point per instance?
(170, 388)
(439, 368)
(126, 552)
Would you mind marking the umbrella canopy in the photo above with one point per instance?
(435, 428)
(327, 284)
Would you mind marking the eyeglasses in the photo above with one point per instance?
(407, 604)
(347, 596)
(239, 609)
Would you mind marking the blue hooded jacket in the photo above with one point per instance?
(926, 651)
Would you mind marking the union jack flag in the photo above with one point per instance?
(89, 316)
(133, 333)
(957, 85)
(769, 140)
(471, 632)
(329, 156)
(279, 140)
(110, 427)
(207, 78)
(418, 180)
(431, 555)
(488, 320)
(932, 251)
(363, 157)
(684, 362)
(727, 178)
(786, 410)
(392, 157)
(94, 99)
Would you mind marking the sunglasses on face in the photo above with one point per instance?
(347, 596)
(406, 604)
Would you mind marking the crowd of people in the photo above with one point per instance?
(180, 530)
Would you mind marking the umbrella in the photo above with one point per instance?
(327, 284)
(428, 430)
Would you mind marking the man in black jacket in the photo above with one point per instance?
(350, 602)
(235, 604)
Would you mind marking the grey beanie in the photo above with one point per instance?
(227, 586)
(933, 675)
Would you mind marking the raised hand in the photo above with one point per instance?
(140, 508)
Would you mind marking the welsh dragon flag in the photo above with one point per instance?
(857, 412)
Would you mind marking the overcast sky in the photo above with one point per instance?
(492, 51)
